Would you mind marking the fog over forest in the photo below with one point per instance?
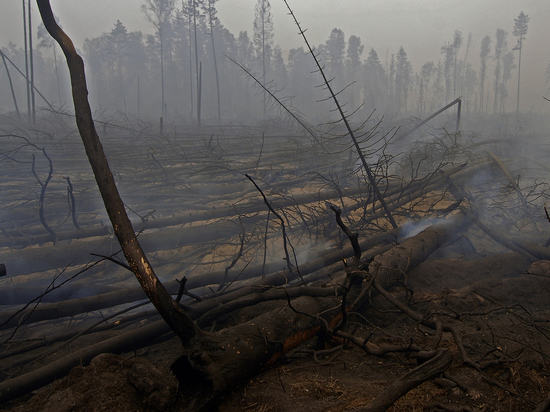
(400, 58)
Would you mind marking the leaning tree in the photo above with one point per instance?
(212, 364)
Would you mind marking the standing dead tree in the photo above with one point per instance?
(122, 226)
(370, 175)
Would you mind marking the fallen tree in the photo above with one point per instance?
(261, 340)
(213, 363)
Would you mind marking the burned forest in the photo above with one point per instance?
(206, 263)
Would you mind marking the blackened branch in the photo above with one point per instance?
(287, 257)
(353, 237)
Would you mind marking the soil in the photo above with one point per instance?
(496, 299)
(504, 313)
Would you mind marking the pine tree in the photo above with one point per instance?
(427, 71)
(483, 55)
(374, 89)
(457, 43)
(335, 49)
(500, 49)
(263, 38)
(520, 30)
(403, 73)
(158, 13)
(353, 68)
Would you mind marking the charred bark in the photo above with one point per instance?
(167, 307)
(212, 364)
(393, 265)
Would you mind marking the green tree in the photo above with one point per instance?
(457, 43)
(520, 30)
(469, 86)
(118, 38)
(449, 51)
(464, 63)
(116, 59)
(438, 84)
(300, 67)
(391, 82)
(245, 49)
(427, 71)
(335, 51)
(280, 73)
(375, 82)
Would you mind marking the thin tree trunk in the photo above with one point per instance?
(197, 64)
(180, 323)
(138, 97)
(216, 70)
(33, 103)
(190, 64)
(162, 70)
(497, 82)
(519, 75)
(11, 85)
(199, 95)
(57, 75)
(27, 63)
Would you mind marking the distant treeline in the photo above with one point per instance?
(161, 74)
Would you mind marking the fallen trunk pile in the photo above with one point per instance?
(221, 282)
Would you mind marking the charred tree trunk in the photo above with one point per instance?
(213, 363)
(167, 307)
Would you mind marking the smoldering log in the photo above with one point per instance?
(73, 307)
(392, 266)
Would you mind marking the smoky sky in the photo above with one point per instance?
(422, 27)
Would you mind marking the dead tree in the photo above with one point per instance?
(212, 363)
(371, 177)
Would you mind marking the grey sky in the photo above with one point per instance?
(420, 26)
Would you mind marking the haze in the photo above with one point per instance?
(421, 27)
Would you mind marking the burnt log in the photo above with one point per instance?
(391, 267)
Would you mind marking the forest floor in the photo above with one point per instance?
(497, 331)
(196, 213)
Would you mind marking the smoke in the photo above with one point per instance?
(307, 253)
(413, 228)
